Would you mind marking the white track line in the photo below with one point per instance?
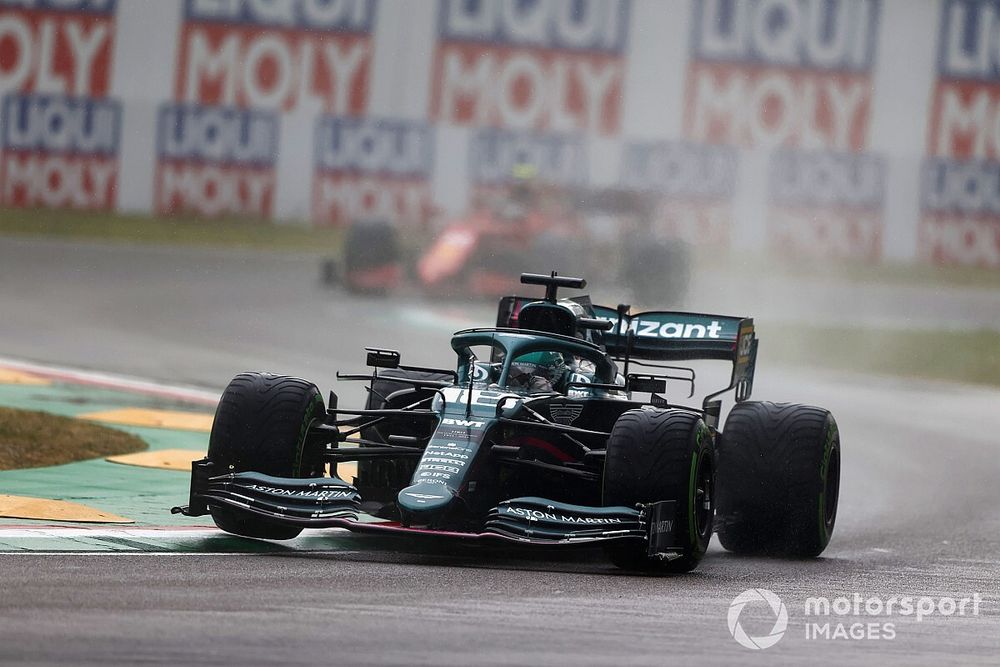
(104, 531)
(112, 381)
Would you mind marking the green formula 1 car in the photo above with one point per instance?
(539, 437)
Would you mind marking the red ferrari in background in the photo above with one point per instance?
(602, 232)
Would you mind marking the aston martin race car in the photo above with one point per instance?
(544, 435)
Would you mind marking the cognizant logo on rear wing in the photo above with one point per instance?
(663, 335)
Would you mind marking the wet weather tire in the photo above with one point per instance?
(655, 455)
(779, 479)
(260, 426)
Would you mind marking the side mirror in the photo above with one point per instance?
(645, 383)
(510, 412)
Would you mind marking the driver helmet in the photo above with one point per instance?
(538, 371)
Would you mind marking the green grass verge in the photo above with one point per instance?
(30, 439)
(223, 232)
(963, 356)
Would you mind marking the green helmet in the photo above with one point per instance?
(547, 365)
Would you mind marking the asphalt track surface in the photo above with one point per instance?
(918, 516)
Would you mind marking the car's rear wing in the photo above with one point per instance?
(674, 336)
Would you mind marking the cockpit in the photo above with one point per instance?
(526, 364)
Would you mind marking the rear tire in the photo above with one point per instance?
(655, 455)
(779, 479)
(260, 426)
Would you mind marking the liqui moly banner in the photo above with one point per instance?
(694, 183)
(215, 161)
(961, 178)
(554, 159)
(240, 64)
(826, 203)
(59, 131)
(531, 65)
(276, 55)
(376, 169)
(795, 76)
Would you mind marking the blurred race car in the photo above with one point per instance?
(606, 233)
(541, 437)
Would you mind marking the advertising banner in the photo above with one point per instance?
(693, 184)
(795, 77)
(531, 65)
(59, 130)
(961, 177)
(240, 65)
(375, 169)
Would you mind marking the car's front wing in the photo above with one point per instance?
(333, 503)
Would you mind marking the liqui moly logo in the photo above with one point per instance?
(60, 133)
(960, 188)
(56, 46)
(372, 168)
(215, 161)
(558, 159)
(793, 73)
(554, 66)
(694, 183)
(276, 55)
(59, 152)
(826, 204)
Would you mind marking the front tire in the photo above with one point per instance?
(655, 455)
(779, 479)
(261, 426)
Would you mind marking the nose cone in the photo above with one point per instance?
(423, 499)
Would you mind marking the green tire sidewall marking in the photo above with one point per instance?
(824, 471)
(692, 486)
(307, 422)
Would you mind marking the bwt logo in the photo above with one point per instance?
(56, 47)
(755, 596)
(276, 55)
(215, 161)
(531, 65)
(371, 168)
(59, 151)
(558, 159)
(782, 72)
